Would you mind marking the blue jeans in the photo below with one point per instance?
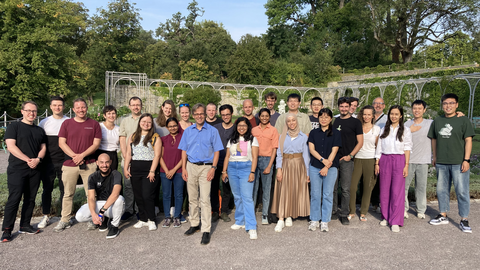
(446, 174)
(238, 173)
(167, 193)
(266, 183)
(321, 194)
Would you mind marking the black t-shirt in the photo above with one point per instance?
(54, 152)
(225, 136)
(103, 186)
(314, 121)
(349, 128)
(217, 121)
(29, 139)
(323, 145)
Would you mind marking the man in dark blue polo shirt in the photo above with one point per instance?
(200, 145)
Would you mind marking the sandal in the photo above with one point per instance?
(350, 216)
(363, 218)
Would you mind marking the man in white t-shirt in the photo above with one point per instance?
(52, 166)
(420, 157)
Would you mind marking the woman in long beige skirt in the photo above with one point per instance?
(291, 199)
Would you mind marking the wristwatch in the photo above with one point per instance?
(467, 160)
(40, 159)
(215, 167)
(351, 156)
(321, 160)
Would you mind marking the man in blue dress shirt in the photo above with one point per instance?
(200, 145)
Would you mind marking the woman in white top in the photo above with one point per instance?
(364, 164)
(184, 110)
(392, 157)
(110, 135)
(239, 167)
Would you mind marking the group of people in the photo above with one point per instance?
(301, 162)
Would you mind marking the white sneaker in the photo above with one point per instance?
(289, 222)
(280, 226)
(313, 225)
(44, 222)
(324, 226)
(253, 234)
(152, 226)
(422, 216)
(384, 222)
(139, 224)
(405, 214)
(236, 227)
(395, 228)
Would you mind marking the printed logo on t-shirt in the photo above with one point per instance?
(339, 128)
(446, 131)
(99, 184)
(88, 127)
(242, 149)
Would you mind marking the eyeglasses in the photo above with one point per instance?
(198, 114)
(184, 105)
(378, 103)
(448, 103)
(30, 111)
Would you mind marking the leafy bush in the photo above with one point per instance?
(202, 95)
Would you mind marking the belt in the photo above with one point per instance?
(297, 155)
(200, 163)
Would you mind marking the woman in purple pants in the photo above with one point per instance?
(392, 156)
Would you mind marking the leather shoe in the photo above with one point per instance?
(344, 221)
(205, 238)
(192, 230)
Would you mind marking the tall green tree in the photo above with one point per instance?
(251, 61)
(38, 52)
(115, 43)
(402, 25)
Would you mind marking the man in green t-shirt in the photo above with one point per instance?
(451, 146)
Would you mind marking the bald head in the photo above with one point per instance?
(103, 163)
(248, 107)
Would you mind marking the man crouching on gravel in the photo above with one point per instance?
(106, 211)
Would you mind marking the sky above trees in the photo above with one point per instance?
(238, 17)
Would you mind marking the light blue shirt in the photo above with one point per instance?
(202, 144)
(298, 145)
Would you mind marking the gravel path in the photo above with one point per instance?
(361, 245)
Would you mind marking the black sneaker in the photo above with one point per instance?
(334, 216)
(28, 230)
(344, 221)
(7, 235)
(104, 225)
(113, 232)
(215, 217)
(439, 220)
(465, 227)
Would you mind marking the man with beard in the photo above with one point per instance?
(107, 209)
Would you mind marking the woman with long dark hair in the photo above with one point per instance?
(364, 163)
(290, 199)
(392, 156)
(239, 168)
(141, 166)
(166, 111)
(171, 173)
(323, 143)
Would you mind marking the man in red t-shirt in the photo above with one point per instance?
(79, 138)
(248, 109)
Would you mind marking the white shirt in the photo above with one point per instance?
(390, 145)
(110, 138)
(245, 153)
(368, 149)
(52, 125)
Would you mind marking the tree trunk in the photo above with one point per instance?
(407, 56)
(342, 4)
(395, 54)
(90, 101)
